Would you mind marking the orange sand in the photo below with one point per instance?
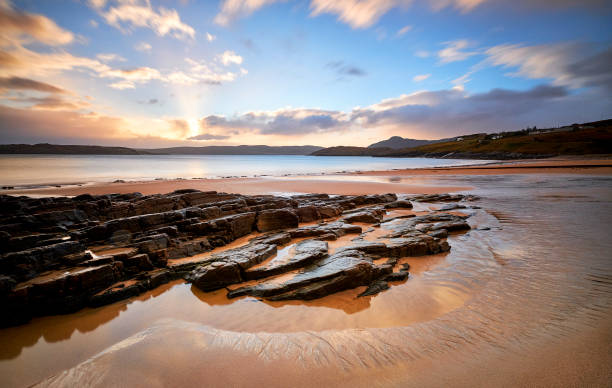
(343, 184)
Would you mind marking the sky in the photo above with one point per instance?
(149, 73)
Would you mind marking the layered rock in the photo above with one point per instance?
(61, 254)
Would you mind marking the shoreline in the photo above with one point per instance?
(343, 183)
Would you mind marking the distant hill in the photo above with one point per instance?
(576, 139)
(398, 142)
(236, 150)
(57, 149)
(45, 148)
(351, 151)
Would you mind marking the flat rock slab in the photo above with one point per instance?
(336, 228)
(339, 272)
(304, 253)
(366, 216)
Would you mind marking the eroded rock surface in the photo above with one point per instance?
(61, 254)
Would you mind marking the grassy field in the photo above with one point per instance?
(574, 142)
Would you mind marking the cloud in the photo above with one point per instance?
(179, 126)
(54, 103)
(365, 13)
(569, 64)
(453, 112)
(17, 83)
(281, 122)
(18, 27)
(428, 114)
(343, 69)
(210, 37)
(422, 54)
(143, 46)
(355, 13)
(453, 52)
(127, 14)
(110, 57)
(403, 30)
(420, 77)
(137, 74)
(129, 77)
(122, 85)
(53, 126)
(22, 62)
(228, 57)
(208, 136)
(234, 9)
(208, 73)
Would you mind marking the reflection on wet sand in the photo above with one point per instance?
(524, 298)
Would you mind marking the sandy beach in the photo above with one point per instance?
(494, 310)
(355, 183)
(314, 193)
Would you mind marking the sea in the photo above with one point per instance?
(39, 170)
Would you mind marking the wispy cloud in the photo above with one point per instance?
(228, 57)
(343, 69)
(128, 14)
(403, 30)
(143, 46)
(356, 13)
(420, 77)
(568, 64)
(365, 13)
(18, 27)
(108, 57)
(456, 51)
(208, 136)
(17, 83)
(234, 9)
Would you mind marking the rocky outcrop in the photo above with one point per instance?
(217, 274)
(368, 216)
(61, 254)
(305, 253)
(348, 269)
(268, 220)
(444, 198)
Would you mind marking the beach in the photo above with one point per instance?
(522, 299)
(412, 181)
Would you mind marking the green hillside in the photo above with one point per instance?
(597, 140)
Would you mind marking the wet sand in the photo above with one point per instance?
(343, 183)
(523, 299)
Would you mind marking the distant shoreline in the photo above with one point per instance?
(346, 183)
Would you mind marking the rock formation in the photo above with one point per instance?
(58, 255)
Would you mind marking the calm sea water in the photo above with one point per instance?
(19, 170)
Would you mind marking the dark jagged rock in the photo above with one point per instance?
(268, 220)
(375, 288)
(399, 204)
(369, 216)
(306, 253)
(308, 213)
(345, 270)
(217, 274)
(59, 254)
(247, 256)
(336, 228)
(444, 198)
(25, 264)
